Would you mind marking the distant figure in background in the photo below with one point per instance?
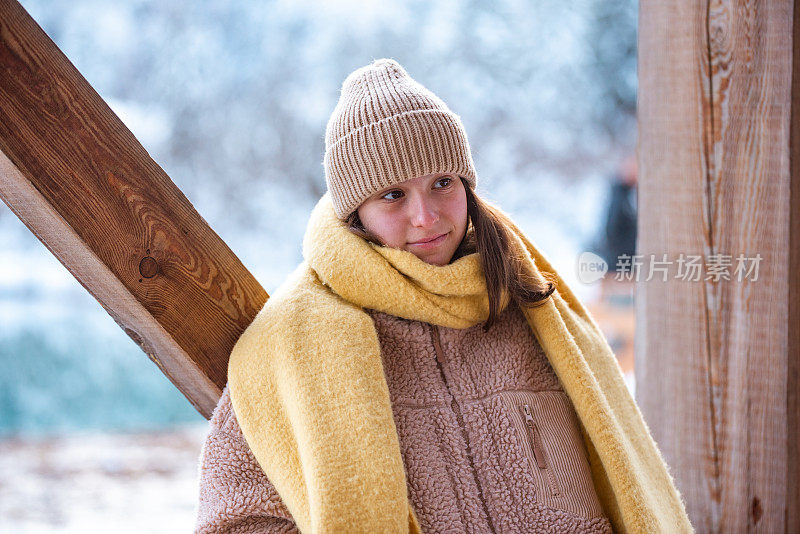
(614, 307)
(619, 236)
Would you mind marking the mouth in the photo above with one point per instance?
(432, 242)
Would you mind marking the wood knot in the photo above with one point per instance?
(148, 267)
(756, 511)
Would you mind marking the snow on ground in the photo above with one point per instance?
(101, 482)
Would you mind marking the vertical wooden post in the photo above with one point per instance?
(716, 367)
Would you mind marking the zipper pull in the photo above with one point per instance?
(538, 454)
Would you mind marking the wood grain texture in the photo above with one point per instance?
(793, 352)
(83, 184)
(714, 367)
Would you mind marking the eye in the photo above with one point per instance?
(391, 192)
(447, 179)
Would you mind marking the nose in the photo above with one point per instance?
(423, 211)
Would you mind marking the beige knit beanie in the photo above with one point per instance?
(388, 128)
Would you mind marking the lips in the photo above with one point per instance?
(428, 240)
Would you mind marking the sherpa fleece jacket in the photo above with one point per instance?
(489, 439)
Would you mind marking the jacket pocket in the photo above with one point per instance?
(548, 433)
(535, 449)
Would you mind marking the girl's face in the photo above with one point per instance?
(426, 216)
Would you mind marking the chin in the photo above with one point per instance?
(436, 259)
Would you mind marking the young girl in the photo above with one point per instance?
(424, 369)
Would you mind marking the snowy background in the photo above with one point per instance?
(231, 99)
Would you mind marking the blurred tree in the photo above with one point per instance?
(612, 44)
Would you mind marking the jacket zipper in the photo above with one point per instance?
(454, 404)
(538, 448)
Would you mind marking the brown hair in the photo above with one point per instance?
(505, 269)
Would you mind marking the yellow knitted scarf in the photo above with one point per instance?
(309, 392)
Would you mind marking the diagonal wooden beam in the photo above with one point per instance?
(82, 183)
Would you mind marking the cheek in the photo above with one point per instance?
(394, 232)
(457, 211)
(386, 227)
